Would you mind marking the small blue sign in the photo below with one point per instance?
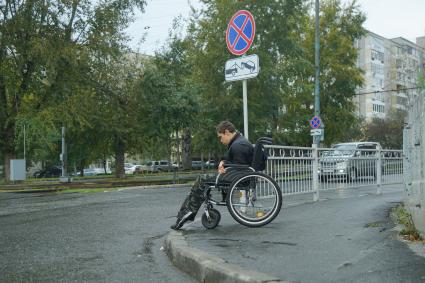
(315, 122)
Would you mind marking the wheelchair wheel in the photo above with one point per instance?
(213, 220)
(254, 200)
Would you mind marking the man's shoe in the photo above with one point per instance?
(189, 216)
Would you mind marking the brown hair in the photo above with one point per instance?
(225, 125)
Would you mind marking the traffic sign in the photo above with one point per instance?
(315, 122)
(240, 32)
(241, 68)
(316, 132)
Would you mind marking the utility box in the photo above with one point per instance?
(17, 170)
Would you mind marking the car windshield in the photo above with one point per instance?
(150, 163)
(342, 150)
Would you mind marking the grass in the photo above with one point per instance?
(403, 217)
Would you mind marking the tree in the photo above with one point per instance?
(280, 101)
(339, 76)
(46, 53)
(388, 132)
(278, 25)
(180, 110)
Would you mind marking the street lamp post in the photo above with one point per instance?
(316, 139)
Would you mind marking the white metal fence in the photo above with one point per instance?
(300, 170)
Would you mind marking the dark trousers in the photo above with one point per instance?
(196, 196)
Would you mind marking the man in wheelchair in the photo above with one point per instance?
(239, 152)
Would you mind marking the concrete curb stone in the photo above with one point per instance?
(208, 268)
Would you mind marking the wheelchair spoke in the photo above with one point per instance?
(254, 200)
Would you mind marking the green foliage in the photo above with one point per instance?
(280, 101)
(404, 218)
(65, 63)
(49, 57)
(389, 131)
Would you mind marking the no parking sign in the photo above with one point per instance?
(240, 32)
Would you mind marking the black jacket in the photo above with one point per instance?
(240, 151)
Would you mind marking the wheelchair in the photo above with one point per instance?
(253, 198)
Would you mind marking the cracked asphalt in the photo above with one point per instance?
(345, 237)
(96, 237)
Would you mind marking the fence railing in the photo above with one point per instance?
(300, 170)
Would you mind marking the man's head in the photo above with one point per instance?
(225, 132)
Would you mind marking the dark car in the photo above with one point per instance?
(233, 70)
(211, 164)
(48, 172)
(249, 65)
(197, 165)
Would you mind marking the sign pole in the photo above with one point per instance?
(316, 139)
(240, 34)
(245, 108)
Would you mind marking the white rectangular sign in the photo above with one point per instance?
(316, 132)
(242, 68)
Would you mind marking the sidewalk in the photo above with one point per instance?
(345, 237)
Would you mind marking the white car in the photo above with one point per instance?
(130, 168)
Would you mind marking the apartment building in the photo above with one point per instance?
(391, 69)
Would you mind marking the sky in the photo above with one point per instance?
(388, 18)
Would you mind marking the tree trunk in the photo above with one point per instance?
(119, 158)
(8, 150)
(186, 140)
(178, 159)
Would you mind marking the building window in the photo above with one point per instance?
(379, 96)
(377, 68)
(399, 63)
(377, 108)
(377, 55)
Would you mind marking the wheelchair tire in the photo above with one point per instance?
(215, 218)
(254, 200)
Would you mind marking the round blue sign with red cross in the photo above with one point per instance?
(315, 122)
(240, 32)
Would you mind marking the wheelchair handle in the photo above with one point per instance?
(265, 140)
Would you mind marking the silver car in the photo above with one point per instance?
(349, 161)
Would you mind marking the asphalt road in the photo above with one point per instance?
(345, 237)
(95, 237)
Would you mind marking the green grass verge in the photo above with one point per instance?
(403, 217)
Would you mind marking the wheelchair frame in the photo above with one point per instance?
(248, 192)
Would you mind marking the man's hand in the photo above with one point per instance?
(221, 168)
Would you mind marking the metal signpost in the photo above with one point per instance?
(240, 34)
(316, 132)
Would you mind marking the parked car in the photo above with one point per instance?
(211, 164)
(349, 161)
(49, 172)
(165, 165)
(130, 168)
(90, 172)
(150, 167)
(158, 166)
(197, 165)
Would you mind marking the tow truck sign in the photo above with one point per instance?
(242, 68)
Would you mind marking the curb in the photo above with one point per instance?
(208, 268)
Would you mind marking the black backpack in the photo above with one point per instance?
(259, 160)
